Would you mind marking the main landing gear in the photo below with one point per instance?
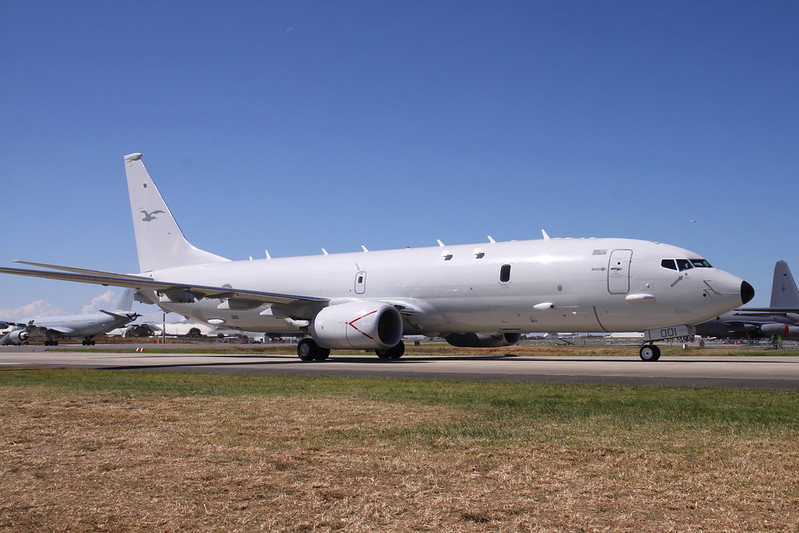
(649, 352)
(308, 350)
(395, 352)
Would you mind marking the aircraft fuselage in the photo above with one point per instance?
(591, 285)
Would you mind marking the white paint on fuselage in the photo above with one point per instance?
(464, 293)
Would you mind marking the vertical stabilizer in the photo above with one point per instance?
(783, 288)
(125, 301)
(159, 241)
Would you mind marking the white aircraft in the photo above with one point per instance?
(473, 295)
(84, 325)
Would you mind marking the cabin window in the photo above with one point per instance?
(668, 263)
(504, 273)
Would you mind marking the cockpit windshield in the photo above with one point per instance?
(701, 263)
(684, 264)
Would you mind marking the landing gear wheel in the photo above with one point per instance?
(308, 350)
(395, 352)
(649, 352)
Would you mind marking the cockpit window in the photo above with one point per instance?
(684, 264)
(668, 263)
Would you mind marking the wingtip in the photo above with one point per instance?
(132, 157)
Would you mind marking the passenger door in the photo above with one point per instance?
(619, 271)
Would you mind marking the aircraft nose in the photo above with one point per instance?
(747, 292)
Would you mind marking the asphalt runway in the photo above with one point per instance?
(762, 372)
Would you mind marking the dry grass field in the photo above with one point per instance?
(102, 451)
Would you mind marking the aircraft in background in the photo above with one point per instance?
(780, 319)
(83, 325)
(479, 295)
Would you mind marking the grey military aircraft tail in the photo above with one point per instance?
(784, 294)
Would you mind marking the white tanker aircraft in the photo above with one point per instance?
(480, 295)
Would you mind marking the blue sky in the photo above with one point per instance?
(292, 126)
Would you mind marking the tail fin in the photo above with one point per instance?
(125, 301)
(783, 288)
(159, 241)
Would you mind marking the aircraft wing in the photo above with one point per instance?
(142, 283)
(765, 311)
(57, 329)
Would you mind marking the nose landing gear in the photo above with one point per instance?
(649, 352)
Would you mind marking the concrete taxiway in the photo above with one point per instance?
(708, 371)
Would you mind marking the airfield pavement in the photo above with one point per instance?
(763, 372)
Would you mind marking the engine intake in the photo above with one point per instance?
(362, 325)
(482, 340)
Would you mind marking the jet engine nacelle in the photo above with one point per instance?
(362, 325)
(18, 336)
(482, 340)
(782, 330)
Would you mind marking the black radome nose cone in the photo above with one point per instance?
(747, 292)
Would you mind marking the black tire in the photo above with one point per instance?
(306, 349)
(649, 352)
(395, 352)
